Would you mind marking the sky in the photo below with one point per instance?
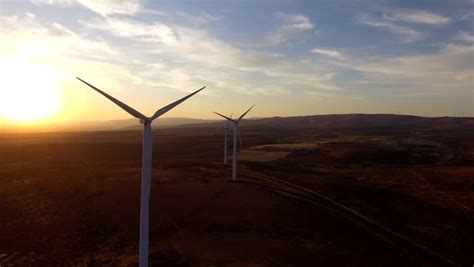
(288, 57)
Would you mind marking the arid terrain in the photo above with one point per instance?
(72, 198)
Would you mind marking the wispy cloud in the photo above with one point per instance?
(407, 34)
(54, 2)
(190, 54)
(102, 7)
(328, 53)
(294, 25)
(468, 16)
(447, 72)
(418, 16)
(128, 28)
(105, 7)
(465, 37)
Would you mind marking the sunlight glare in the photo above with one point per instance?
(28, 91)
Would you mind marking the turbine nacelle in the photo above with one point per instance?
(144, 121)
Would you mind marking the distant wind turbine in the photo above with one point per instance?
(236, 134)
(146, 163)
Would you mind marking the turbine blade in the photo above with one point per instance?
(124, 106)
(225, 117)
(245, 113)
(167, 108)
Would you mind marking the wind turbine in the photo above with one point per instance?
(146, 163)
(236, 133)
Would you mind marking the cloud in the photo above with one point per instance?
(407, 34)
(194, 19)
(294, 25)
(128, 28)
(51, 42)
(58, 29)
(102, 7)
(328, 53)
(105, 7)
(468, 16)
(54, 2)
(420, 16)
(447, 72)
(465, 37)
(190, 55)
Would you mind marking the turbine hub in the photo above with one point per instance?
(144, 122)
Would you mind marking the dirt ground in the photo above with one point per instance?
(73, 198)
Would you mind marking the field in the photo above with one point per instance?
(73, 198)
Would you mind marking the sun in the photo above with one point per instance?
(28, 90)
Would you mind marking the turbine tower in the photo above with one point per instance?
(146, 163)
(226, 130)
(236, 134)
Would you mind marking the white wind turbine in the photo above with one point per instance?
(146, 164)
(236, 133)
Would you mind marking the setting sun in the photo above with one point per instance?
(29, 90)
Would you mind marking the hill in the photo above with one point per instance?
(333, 122)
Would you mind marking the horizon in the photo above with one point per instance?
(394, 57)
(170, 122)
